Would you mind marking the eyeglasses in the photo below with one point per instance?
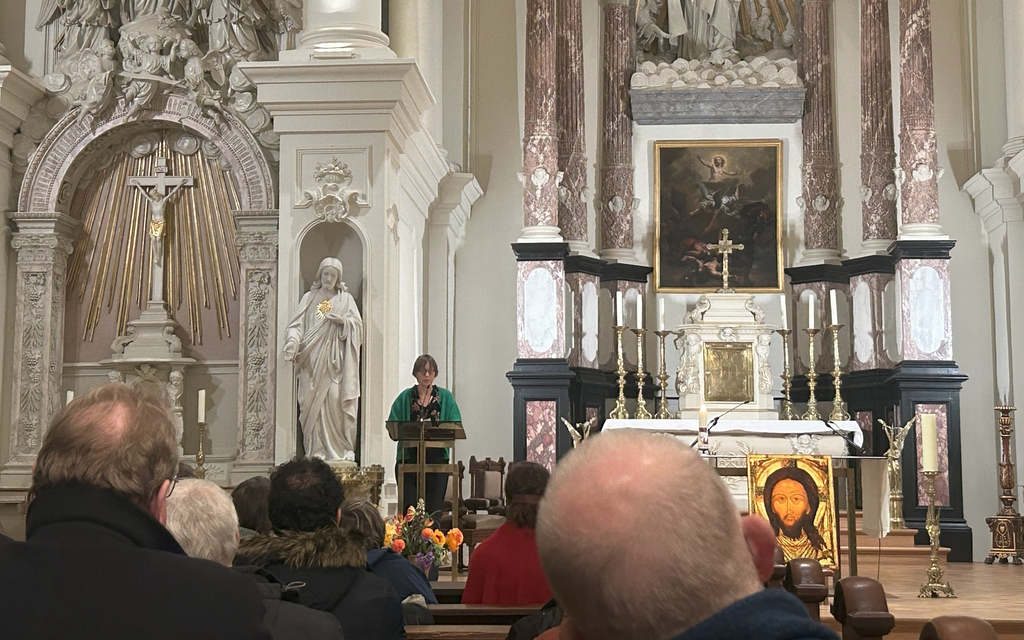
(170, 487)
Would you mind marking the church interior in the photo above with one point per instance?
(779, 228)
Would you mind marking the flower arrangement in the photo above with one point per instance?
(413, 536)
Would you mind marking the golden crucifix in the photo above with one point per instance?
(725, 246)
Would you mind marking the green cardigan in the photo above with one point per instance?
(401, 410)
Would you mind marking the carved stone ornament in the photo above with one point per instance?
(256, 246)
(764, 369)
(333, 199)
(256, 434)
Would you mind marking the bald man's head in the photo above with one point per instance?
(115, 437)
(640, 538)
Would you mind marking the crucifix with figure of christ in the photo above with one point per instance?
(157, 196)
(725, 246)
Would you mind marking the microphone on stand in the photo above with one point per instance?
(857, 451)
(715, 420)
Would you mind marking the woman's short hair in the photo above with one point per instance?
(524, 487)
(423, 363)
(252, 502)
(363, 518)
(202, 519)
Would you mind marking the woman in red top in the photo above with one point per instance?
(505, 568)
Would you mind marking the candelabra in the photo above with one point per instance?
(1007, 527)
(663, 413)
(641, 407)
(619, 412)
(812, 378)
(787, 377)
(838, 412)
(200, 470)
(935, 586)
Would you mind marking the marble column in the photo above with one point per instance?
(540, 144)
(616, 203)
(256, 234)
(919, 160)
(819, 200)
(572, 152)
(1013, 68)
(43, 242)
(340, 30)
(877, 152)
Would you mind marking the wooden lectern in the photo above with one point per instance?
(422, 436)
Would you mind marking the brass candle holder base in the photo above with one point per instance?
(619, 412)
(787, 412)
(812, 378)
(663, 413)
(1007, 527)
(838, 412)
(200, 470)
(935, 587)
(641, 407)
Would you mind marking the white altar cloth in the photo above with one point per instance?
(726, 426)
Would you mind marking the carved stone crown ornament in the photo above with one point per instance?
(333, 199)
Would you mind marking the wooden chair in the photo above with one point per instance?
(805, 580)
(950, 627)
(486, 495)
(860, 606)
(778, 571)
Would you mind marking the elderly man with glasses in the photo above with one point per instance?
(98, 562)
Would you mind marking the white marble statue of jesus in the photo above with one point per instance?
(323, 340)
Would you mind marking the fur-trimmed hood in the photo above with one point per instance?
(326, 548)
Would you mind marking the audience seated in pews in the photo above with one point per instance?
(202, 519)
(98, 562)
(251, 498)
(405, 577)
(4, 540)
(640, 539)
(505, 568)
(308, 546)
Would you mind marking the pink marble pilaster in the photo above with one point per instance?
(877, 154)
(584, 288)
(819, 171)
(541, 426)
(925, 323)
(540, 310)
(540, 142)
(941, 480)
(616, 200)
(919, 198)
(868, 321)
(572, 153)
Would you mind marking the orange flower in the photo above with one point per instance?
(454, 540)
(398, 546)
(427, 533)
(438, 538)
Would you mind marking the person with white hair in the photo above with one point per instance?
(699, 576)
(202, 518)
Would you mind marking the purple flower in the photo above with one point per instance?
(423, 561)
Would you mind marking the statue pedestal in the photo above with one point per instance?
(725, 343)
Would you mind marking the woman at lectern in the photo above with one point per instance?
(425, 401)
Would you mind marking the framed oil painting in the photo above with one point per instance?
(794, 493)
(702, 187)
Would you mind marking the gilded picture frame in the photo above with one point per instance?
(703, 186)
(795, 494)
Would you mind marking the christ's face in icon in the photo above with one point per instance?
(789, 502)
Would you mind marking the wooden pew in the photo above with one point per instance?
(448, 592)
(479, 614)
(457, 632)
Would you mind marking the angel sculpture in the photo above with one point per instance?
(85, 23)
(580, 432)
(99, 67)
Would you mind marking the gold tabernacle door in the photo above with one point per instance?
(728, 372)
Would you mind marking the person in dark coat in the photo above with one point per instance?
(202, 518)
(308, 546)
(700, 572)
(4, 540)
(98, 562)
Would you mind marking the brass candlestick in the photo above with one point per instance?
(619, 412)
(641, 407)
(663, 413)
(787, 377)
(838, 412)
(200, 470)
(897, 436)
(1007, 527)
(935, 586)
(812, 378)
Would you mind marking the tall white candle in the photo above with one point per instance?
(202, 406)
(618, 308)
(640, 311)
(702, 416)
(832, 302)
(661, 314)
(71, 396)
(785, 318)
(929, 442)
(810, 311)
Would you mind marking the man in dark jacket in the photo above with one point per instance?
(202, 518)
(98, 562)
(701, 575)
(308, 546)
